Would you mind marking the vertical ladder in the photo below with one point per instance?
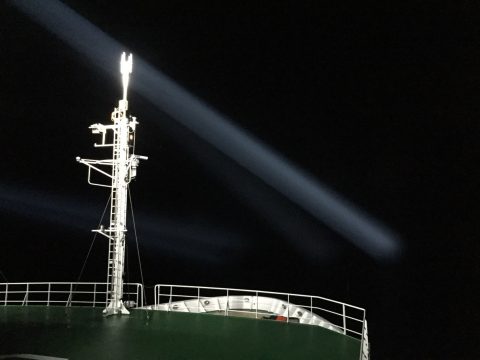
(112, 250)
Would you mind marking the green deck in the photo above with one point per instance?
(83, 333)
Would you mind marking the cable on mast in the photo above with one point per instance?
(90, 249)
(138, 250)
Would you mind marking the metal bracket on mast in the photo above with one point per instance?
(121, 169)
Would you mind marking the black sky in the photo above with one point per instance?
(379, 102)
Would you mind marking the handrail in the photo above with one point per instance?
(335, 315)
(64, 293)
(301, 308)
(260, 291)
(349, 319)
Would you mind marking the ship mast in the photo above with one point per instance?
(120, 169)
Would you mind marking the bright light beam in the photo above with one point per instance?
(195, 241)
(301, 188)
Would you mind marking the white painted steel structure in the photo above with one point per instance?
(65, 294)
(121, 169)
(305, 309)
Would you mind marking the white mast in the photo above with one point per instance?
(121, 169)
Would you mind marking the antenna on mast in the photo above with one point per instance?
(126, 65)
(120, 169)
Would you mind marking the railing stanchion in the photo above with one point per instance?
(288, 308)
(344, 320)
(69, 302)
(6, 294)
(48, 295)
(256, 308)
(141, 296)
(311, 308)
(170, 300)
(94, 294)
(25, 299)
(226, 305)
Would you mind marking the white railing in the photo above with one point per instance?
(305, 309)
(66, 294)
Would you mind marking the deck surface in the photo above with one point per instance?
(83, 333)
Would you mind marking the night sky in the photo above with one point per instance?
(380, 103)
